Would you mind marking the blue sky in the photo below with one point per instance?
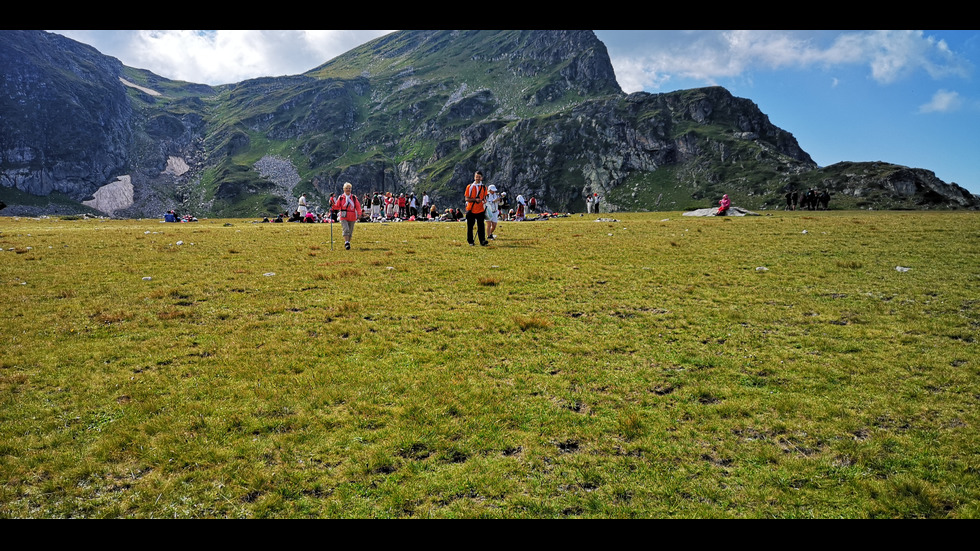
(905, 97)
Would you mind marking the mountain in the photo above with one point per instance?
(539, 112)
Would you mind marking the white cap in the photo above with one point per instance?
(492, 187)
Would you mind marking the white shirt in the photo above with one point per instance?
(492, 200)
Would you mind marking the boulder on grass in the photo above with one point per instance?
(732, 211)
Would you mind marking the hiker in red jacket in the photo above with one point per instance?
(724, 204)
(348, 212)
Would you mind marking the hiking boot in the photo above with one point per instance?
(347, 246)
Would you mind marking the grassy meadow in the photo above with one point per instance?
(791, 365)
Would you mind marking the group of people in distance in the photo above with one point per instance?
(483, 210)
(811, 199)
(387, 206)
(592, 203)
(482, 205)
(172, 216)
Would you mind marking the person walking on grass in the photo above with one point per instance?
(348, 210)
(492, 211)
(476, 196)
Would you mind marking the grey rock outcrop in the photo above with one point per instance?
(885, 185)
(113, 197)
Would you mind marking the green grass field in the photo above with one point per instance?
(652, 366)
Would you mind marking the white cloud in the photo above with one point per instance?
(943, 101)
(224, 56)
(635, 74)
(896, 54)
(708, 56)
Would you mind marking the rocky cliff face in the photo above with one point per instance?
(66, 123)
(539, 112)
(598, 145)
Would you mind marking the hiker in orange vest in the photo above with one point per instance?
(476, 196)
(348, 211)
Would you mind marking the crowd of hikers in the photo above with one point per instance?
(811, 199)
(390, 207)
(348, 209)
